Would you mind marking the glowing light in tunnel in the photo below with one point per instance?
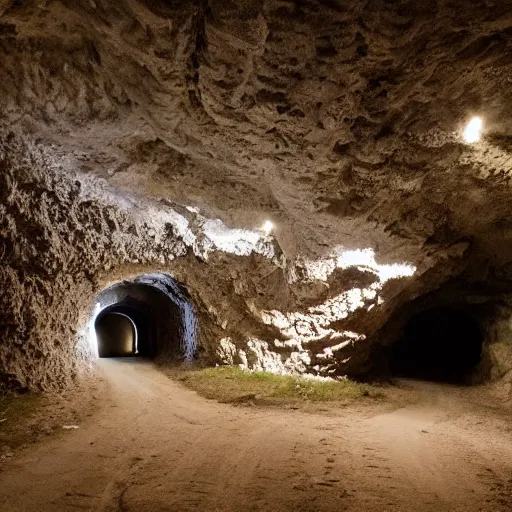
(169, 287)
(366, 258)
(473, 130)
(267, 227)
(241, 242)
(91, 328)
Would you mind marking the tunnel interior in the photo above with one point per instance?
(117, 335)
(125, 329)
(138, 319)
(442, 344)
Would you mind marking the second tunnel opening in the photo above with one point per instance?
(441, 344)
(117, 335)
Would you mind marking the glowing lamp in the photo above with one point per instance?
(473, 130)
(267, 227)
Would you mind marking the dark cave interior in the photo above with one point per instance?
(124, 329)
(442, 344)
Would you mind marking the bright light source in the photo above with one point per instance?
(473, 130)
(267, 227)
(366, 258)
(91, 334)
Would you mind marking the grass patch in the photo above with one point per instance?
(230, 384)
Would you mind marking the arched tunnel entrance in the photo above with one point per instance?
(116, 334)
(150, 316)
(440, 344)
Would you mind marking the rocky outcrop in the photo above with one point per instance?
(66, 237)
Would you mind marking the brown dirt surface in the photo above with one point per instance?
(28, 418)
(154, 445)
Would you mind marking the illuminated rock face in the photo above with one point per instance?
(66, 237)
(135, 132)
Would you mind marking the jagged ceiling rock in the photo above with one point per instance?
(335, 119)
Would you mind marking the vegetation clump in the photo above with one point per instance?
(232, 384)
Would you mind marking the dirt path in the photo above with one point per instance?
(155, 446)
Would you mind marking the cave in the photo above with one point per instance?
(439, 344)
(133, 324)
(292, 186)
(317, 188)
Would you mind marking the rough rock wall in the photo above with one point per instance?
(61, 248)
(54, 239)
(468, 282)
(497, 363)
(65, 238)
(62, 238)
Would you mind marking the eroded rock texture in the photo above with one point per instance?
(339, 121)
(63, 239)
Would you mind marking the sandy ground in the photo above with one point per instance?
(155, 446)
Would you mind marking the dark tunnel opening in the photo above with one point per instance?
(441, 344)
(143, 319)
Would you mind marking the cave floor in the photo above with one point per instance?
(155, 446)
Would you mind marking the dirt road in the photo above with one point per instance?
(156, 446)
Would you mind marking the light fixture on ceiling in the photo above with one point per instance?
(267, 227)
(473, 130)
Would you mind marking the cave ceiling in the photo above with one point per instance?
(340, 121)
